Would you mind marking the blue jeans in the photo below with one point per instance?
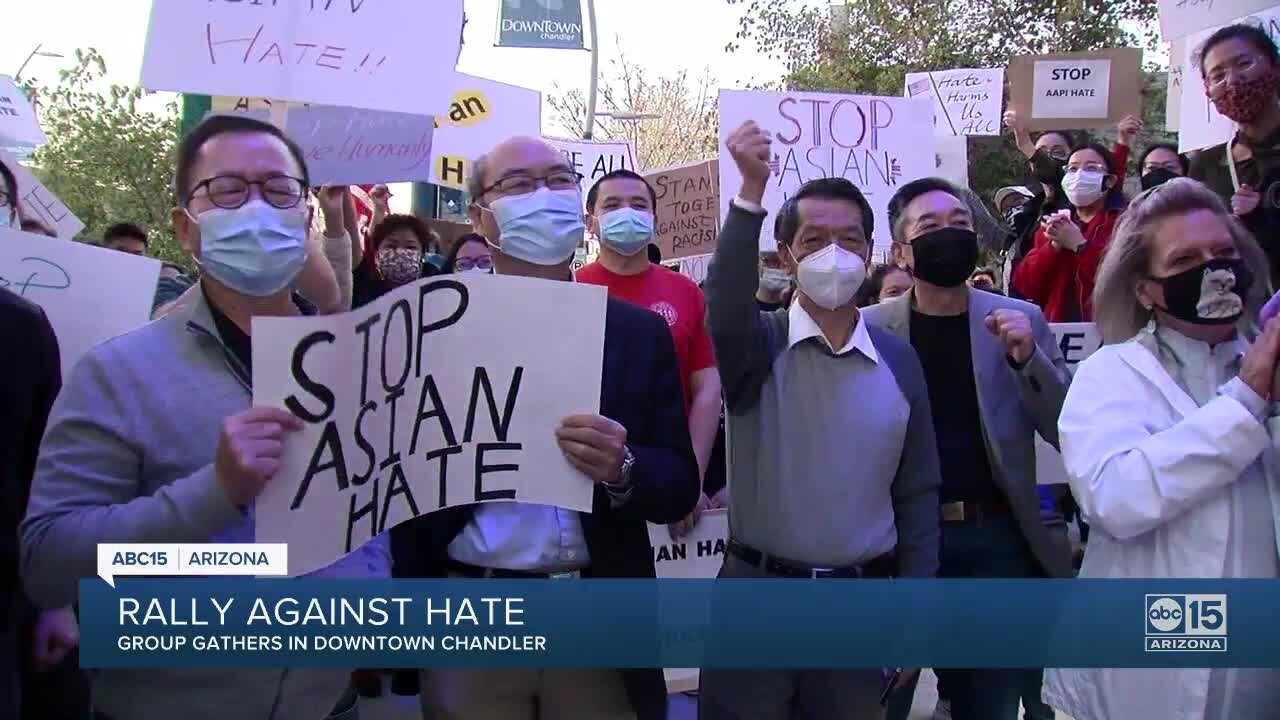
(993, 548)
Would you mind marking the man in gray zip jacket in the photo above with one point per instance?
(833, 468)
(153, 440)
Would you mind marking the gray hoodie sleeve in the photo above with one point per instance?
(86, 489)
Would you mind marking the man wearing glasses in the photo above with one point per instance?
(153, 437)
(527, 205)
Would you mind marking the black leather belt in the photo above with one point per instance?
(474, 571)
(963, 511)
(885, 566)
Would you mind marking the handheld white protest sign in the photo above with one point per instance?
(695, 268)
(697, 555)
(1200, 124)
(18, 125)
(443, 392)
(481, 114)
(965, 102)
(346, 146)
(1077, 341)
(877, 143)
(90, 294)
(953, 159)
(39, 203)
(1179, 18)
(1071, 88)
(1097, 88)
(351, 53)
(594, 160)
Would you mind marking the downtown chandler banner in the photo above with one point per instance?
(242, 623)
(540, 24)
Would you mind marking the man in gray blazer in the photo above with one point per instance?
(996, 378)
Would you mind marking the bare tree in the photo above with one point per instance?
(687, 110)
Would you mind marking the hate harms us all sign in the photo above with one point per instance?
(442, 393)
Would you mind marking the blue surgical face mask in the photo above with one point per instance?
(7, 216)
(626, 231)
(255, 249)
(543, 227)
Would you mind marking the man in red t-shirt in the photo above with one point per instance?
(620, 209)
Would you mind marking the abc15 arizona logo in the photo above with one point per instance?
(1186, 623)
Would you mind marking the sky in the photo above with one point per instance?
(661, 36)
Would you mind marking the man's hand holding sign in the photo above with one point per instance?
(597, 447)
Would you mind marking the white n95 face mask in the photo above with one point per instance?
(831, 276)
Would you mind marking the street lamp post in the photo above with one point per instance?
(17, 77)
(634, 119)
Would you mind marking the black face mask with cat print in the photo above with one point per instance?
(1211, 293)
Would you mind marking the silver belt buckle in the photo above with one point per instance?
(813, 572)
(566, 575)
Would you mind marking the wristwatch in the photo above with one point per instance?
(628, 462)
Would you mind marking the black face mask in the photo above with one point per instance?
(1211, 293)
(1159, 176)
(945, 257)
(1048, 169)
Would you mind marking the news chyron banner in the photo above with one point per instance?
(556, 623)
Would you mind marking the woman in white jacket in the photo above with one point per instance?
(1165, 436)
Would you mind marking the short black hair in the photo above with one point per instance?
(451, 260)
(10, 183)
(1251, 34)
(215, 125)
(914, 189)
(1182, 159)
(1070, 137)
(788, 222)
(124, 230)
(869, 293)
(655, 253)
(594, 192)
(394, 222)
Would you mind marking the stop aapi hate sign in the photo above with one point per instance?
(443, 392)
(687, 218)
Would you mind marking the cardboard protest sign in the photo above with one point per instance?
(481, 114)
(18, 125)
(965, 102)
(594, 160)
(688, 214)
(347, 146)
(1077, 341)
(1076, 90)
(1200, 124)
(350, 53)
(877, 143)
(697, 555)
(39, 203)
(89, 293)
(443, 392)
(1179, 18)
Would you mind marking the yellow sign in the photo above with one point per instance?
(468, 108)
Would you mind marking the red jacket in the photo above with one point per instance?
(1061, 281)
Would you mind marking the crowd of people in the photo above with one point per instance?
(856, 420)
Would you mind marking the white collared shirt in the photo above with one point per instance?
(803, 327)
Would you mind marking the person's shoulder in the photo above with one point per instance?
(17, 311)
(621, 312)
(592, 273)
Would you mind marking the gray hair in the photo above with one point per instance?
(1116, 310)
(475, 181)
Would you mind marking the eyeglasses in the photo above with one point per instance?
(1242, 65)
(232, 191)
(484, 262)
(524, 183)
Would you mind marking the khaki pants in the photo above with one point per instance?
(519, 694)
